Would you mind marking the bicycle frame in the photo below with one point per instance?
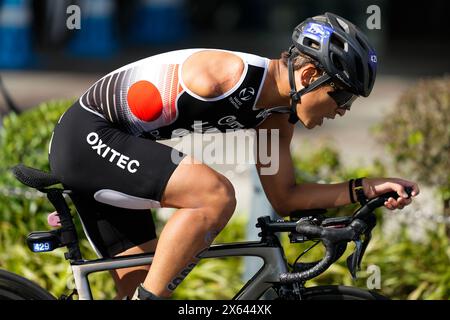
(273, 273)
(272, 256)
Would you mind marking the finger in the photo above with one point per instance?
(415, 191)
(401, 203)
(396, 203)
(404, 202)
(399, 189)
(407, 183)
(392, 201)
(399, 206)
(388, 205)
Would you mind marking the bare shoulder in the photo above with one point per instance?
(210, 73)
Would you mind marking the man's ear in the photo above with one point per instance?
(308, 74)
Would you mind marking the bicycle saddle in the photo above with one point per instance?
(33, 177)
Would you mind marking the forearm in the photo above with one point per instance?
(314, 195)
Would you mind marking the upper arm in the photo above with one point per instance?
(210, 73)
(278, 132)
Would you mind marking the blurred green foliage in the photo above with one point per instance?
(408, 270)
(24, 139)
(416, 133)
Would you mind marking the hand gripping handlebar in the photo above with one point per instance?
(332, 237)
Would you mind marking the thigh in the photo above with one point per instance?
(88, 153)
(194, 184)
(115, 178)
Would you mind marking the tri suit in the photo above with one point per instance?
(105, 147)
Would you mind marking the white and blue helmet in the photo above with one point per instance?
(341, 49)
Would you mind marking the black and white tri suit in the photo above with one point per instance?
(104, 146)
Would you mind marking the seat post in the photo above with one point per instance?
(69, 237)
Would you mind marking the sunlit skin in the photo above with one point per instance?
(313, 107)
(205, 199)
(311, 110)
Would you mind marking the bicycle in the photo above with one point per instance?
(274, 280)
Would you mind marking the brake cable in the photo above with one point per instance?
(303, 253)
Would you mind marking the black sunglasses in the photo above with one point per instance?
(343, 98)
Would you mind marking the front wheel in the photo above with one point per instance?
(15, 287)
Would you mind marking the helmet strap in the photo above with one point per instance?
(296, 95)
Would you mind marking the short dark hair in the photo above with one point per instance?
(300, 59)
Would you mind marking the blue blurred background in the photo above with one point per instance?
(413, 39)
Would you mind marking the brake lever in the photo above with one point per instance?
(365, 213)
(371, 223)
(354, 258)
(365, 243)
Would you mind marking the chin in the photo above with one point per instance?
(310, 125)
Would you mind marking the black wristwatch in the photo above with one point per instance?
(359, 190)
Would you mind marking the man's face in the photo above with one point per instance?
(326, 101)
(317, 105)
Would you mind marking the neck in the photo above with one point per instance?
(275, 91)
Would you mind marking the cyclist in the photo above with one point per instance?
(105, 146)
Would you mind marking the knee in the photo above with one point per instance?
(220, 200)
(224, 195)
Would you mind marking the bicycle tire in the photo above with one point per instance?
(15, 287)
(340, 293)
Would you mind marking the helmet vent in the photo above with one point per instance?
(337, 62)
(311, 43)
(321, 18)
(337, 41)
(343, 25)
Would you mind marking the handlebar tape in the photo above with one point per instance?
(332, 237)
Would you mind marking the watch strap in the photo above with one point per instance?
(359, 191)
(350, 190)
